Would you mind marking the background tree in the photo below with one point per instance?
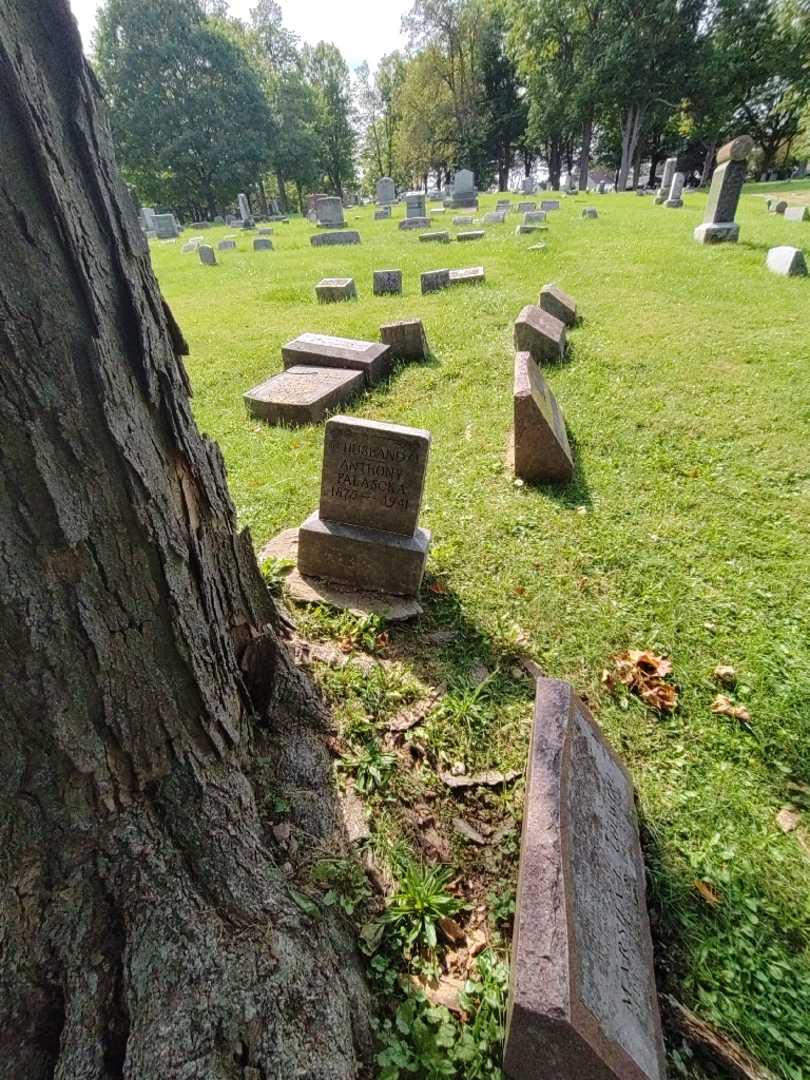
(501, 93)
(148, 929)
(425, 137)
(328, 76)
(378, 102)
(190, 120)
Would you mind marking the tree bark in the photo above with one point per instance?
(631, 130)
(585, 153)
(149, 926)
(708, 163)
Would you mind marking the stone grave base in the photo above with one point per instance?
(719, 233)
(310, 590)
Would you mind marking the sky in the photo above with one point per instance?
(361, 29)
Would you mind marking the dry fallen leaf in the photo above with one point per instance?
(451, 930)
(724, 707)
(490, 778)
(643, 672)
(788, 818)
(725, 674)
(469, 832)
(443, 991)
(416, 713)
(708, 892)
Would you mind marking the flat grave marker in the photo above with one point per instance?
(787, 261)
(333, 289)
(387, 282)
(323, 350)
(327, 239)
(558, 303)
(303, 395)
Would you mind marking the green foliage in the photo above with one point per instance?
(332, 125)
(371, 766)
(346, 881)
(274, 571)
(420, 901)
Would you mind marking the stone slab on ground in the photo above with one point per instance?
(226, 245)
(435, 237)
(534, 217)
(582, 999)
(434, 280)
(540, 449)
(387, 282)
(415, 223)
(407, 339)
(327, 239)
(540, 334)
(468, 275)
(590, 212)
(797, 213)
(526, 207)
(262, 243)
(323, 350)
(558, 303)
(549, 204)
(302, 394)
(382, 214)
(330, 290)
(787, 261)
(473, 234)
(527, 230)
(495, 217)
(308, 590)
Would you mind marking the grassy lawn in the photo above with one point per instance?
(686, 531)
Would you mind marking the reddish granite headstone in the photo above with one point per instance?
(540, 334)
(541, 449)
(582, 1001)
(323, 350)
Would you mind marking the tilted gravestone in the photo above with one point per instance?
(718, 221)
(165, 225)
(387, 282)
(435, 237)
(434, 280)
(675, 197)
(540, 334)
(787, 261)
(329, 212)
(365, 533)
(541, 452)
(415, 223)
(495, 217)
(244, 209)
(558, 303)
(582, 999)
(323, 350)
(527, 185)
(797, 213)
(407, 339)
(386, 190)
(329, 239)
(332, 289)
(207, 256)
(472, 234)
(303, 394)
(666, 180)
(468, 275)
(262, 243)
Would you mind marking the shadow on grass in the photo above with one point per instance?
(575, 493)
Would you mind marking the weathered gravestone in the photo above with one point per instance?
(207, 256)
(148, 214)
(437, 210)
(330, 290)
(495, 217)
(329, 212)
(407, 339)
(675, 199)
(787, 261)
(527, 185)
(165, 225)
(437, 237)
(303, 394)
(329, 239)
(464, 193)
(666, 180)
(386, 190)
(797, 213)
(729, 176)
(463, 219)
(387, 282)
(382, 214)
(504, 204)
(534, 217)
(415, 204)
(434, 280)
(558, 303)
(526, 230)
(550, 204)
(226, 245)
(540, 334)
(468, 275)
(777, 206)
(189, 246)
(415, 223)
(244, 209)
(262, 243)
(323, 350)
(540, 444)
(472, 234)
(365, 533)
(266, 230)
(526, 207)
(582, 999)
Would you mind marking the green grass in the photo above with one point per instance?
(686, 530)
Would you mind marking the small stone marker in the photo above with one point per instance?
(495, 217)
(189, 246)
(503, 204)
(415, 223)
(226, 245)
(473, 234)
(718, 221)
(550, 204)
(329, 212)
(463, 219)
(207, 256)
(365, 533)
(303, 395)
(407, 339)
(326, 239)
(540, 442)
(777, 206)
(527, 185)
(675, 199)
(582, 999)
(165, 225)
(526, 207)
(470, 275)
(527, 230)
(262, 243)
(787, 261)
(329, 290)
(666, 180)
(590, 212)
(534, 217)
(266, 230)
(386, 190)
(540, 334)
(244, 209)
(415, 204)
(437, 237)
(559, 304)
(382, 214)
(387, 282)
(434, 280)
(797, 213)
(322, 350)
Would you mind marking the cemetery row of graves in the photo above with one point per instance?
(555, 518)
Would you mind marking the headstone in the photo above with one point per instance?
(148, 213)
(675, 199)
(322, 350)
(534, 217)
(438, 237)
(540, 334)
(495, 217)
(526, 230)
(550, 204)
(777, 206)
(797, 213)
(189, 246)
(463, 183)
(207, 256)
(526, 207)
(590, 212)
(718, 220)
(265, 231)
(407, 339)
(382, 214)
(365, 533)
(313, 197)
(666, 180)
(387, 282)
(582, 999)
(437, 210)
(541, 452)
(329, 212)
(601, 187)
(787, 261)
(527, 185)
(165, 226)
(415, 204)
(504, 204)
(303, 395)
(329, 290)
(434, 280)
(470, 275)
(329, 239)
(463, 219)
(244, 207)
(473, 234)
(226, 245)
(559, 304)
(386, 190)
(415, 223)
(262, 243)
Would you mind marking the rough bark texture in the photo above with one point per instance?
(147, 928)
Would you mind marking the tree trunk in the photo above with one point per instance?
(585, 153)
(637, 164)
(149, 926)
(282, 191)
(708, 163)
(631, 129)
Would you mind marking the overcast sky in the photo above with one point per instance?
(361, 29)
